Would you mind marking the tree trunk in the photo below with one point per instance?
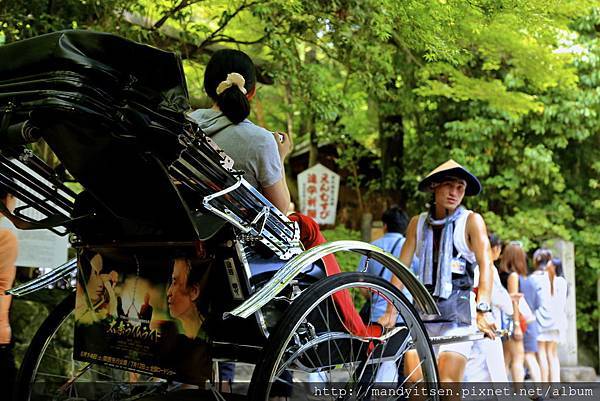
(313, 153)
(289, 102)
(259, 111)
(391, 142)
(366, 221)
(291, 180)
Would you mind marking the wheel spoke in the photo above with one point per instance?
(413, 371)
(335, 343)
(293, 345)
(49, 372)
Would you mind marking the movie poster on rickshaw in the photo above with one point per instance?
(318, 189)
(143, 311)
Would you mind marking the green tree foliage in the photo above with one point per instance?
(510, 88)
(528, 126)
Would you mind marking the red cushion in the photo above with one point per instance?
(311, 236)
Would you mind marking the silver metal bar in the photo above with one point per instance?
(439, 340)
(241, 254)
(48, 278)
(222, 192)
(264, 215)
(293, 267)
(221, 214)
(285, 249)
(43, 281)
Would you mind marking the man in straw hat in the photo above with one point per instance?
(449, 241)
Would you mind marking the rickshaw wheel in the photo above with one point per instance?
(312, 355)
(49, 372)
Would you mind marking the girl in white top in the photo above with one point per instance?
(560, 299)
(552, 291)
(521, 347)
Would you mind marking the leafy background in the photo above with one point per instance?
(509, 88)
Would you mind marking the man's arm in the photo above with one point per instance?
(480, 245)
(408, 249)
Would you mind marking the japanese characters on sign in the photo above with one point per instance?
(318, 189)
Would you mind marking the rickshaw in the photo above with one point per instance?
(154, 185)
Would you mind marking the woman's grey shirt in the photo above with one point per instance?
(252, 148)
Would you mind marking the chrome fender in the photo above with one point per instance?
(293, 267)
(43, 281)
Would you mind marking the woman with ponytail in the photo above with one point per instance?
(559, 302)
(230, 82)
(521, 348)
(550, 290)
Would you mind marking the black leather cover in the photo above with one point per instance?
(111, 110)
(153, 75)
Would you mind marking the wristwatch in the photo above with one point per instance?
(483, 307)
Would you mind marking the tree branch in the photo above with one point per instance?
(229, 39)
(183, 4)
(324, 49)
(226, 21)
(172, 38)
(395, 39)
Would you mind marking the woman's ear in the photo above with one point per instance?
(195, 292)
(251, 93)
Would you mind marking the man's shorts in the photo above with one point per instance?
(452, 329)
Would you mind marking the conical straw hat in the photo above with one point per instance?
(447, 170)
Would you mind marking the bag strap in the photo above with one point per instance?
(220, 129)
(392, 252)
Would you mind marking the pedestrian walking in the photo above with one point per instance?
(552, 290)
(8, 256)
(448, 241)
(520, 348)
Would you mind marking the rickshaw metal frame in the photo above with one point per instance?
(56, 274)
(292, 268)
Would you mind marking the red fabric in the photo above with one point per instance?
(374, 330)
(523, 323)
(310, 235)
